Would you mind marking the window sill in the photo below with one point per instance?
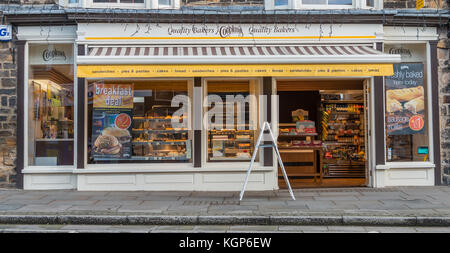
(48, 170)
(168, 168)
(406, 165)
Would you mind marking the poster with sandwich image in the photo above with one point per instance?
(112, 121)
(405, 100)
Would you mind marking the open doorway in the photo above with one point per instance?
(322, 134)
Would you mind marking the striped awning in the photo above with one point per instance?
(234, 54)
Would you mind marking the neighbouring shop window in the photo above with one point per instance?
(328, 2)
(406, 114)
(281, 3)
(119, 1)
(139, 121)
(50, 105)
(231, 122)
(164, 2)
(370, 3)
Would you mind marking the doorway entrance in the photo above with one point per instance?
(322, 133)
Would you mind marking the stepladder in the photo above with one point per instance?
(258, 145)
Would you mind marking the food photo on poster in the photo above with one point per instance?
(111, 121)
(405, 100)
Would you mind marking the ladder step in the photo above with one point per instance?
(266, 146)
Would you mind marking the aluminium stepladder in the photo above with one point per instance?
(258, 145)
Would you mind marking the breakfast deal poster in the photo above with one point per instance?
(405, 100)
(112, 121)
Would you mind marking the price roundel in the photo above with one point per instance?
(123, 121)
(416, 123)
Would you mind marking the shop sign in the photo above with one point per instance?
(238, 70)
(5, 32)
(231, 31)
(51, 54)
(112, 121)
(405, 99)
(409, 53)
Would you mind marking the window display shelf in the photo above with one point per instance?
(343, 101)
(234, 158)
(182, 142)
(298, 135)
(54, 139)
(150, 158)
(152, 119)
(156, 131)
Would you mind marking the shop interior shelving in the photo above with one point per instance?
(155, 140)
(343, 140)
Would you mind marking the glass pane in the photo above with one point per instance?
(406, 114)
(370, 3)
(340, 2)
(314, 1)
(132, 1)
(105, 1)
(164, 2)
(50, 105)
(281, 2)
(142, 122)
(231, 121)
(73, 1)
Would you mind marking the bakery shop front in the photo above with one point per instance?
(181, 108)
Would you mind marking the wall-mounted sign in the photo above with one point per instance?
(405, 100)
(5, 32)
(420, 4)
(51, 54)
(408, 52)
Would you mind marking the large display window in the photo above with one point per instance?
(50, 105)
(232, 120)
(407, 127)
(139, 121)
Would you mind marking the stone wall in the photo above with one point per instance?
(8, 115)
(395, 4)
(444, 101)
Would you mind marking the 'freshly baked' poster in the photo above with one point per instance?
(405, 100)
(112, 121)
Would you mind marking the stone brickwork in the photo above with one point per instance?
(396, 4)
(444, 101)
(8, 114)
(221, 2)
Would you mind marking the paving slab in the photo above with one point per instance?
(9, 207)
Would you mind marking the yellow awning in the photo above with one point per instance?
(235, 70)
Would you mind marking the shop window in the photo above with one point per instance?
(50, 105)
(139, 121)
(407, 125)
(231, 121)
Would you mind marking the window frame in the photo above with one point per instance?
(137, 167)
(46, 168)
(427, 85)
